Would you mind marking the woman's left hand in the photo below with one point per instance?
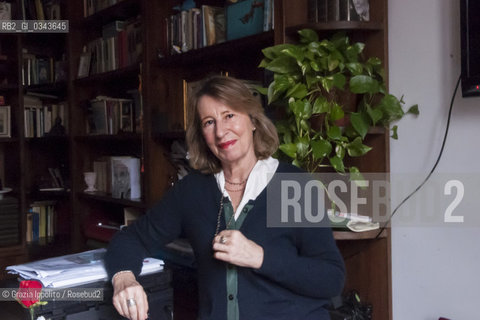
(233, 247)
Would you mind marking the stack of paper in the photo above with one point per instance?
(74, 269)
(351, 222)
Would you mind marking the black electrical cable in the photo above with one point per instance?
(434, 166)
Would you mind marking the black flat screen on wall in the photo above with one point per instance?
(470, 45)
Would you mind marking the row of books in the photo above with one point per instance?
(42, 69)
(200, 27)
(41, 222)
(108, 115)
(120, 46)
(41, 10)
(40, 118)
(118, 176)
(92, 6)
(338, 10)
(9, 221)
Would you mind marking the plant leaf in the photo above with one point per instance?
(301, 108)
(391, 108)
(320, 105)
(336, 112)
(334, 132)
(298, 91)
(355, 68)
(414, 110)
(283, 65)
(394, 132)
(307, 35)
(363, 84)
(320, 148)
(274, 51)
(337, 164)
(302, 147)
(290, 149)
(295, 52)
(375, 115)
(359, 124)
(339, 80)
(356, 148)
(340, 151)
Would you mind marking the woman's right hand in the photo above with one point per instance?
(129, 298)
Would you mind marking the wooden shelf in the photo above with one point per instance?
(104, 197)
(9, 87)
(63, 139)
(110, 138)
(114, 75)
(8, 140)
(120, 11)
(37, 195)
(169, 136)
(54, 90)
(217, 52)
(339, 26)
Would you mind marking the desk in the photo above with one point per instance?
(157, 286)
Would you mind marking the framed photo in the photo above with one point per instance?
(5, 129)
(84, 65)
(189, 87)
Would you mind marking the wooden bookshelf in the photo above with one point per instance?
(162, 75)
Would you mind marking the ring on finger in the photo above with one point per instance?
(223, 240)
(131, 302)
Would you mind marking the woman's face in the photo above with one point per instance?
(228, 133)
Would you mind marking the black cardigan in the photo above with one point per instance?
(302, 267)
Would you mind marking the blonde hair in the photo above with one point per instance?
(235, 94)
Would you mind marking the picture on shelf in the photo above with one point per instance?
(126, 178)
(5, 130)
(84, 65)
(5, 11)
(188, 89)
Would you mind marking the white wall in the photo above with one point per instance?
(435, 270)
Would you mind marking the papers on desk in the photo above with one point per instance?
(74, 269)
(351, 222)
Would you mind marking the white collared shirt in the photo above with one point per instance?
(258, 179)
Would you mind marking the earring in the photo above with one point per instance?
(254, 129)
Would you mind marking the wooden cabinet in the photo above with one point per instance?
(156, 79)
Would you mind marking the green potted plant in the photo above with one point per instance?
(311, 80)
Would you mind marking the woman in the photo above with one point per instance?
(245, 270)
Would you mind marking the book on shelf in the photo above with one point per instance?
(118, 176)
(111, 116)
(245, 18)
(100, 169)
(91, 7)
(41, 221)
(9, 221)
(137, 109)
(213, 25)
(120, 46)
(41, 10)
(40, 118)
(125, 173)
(38, 69)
